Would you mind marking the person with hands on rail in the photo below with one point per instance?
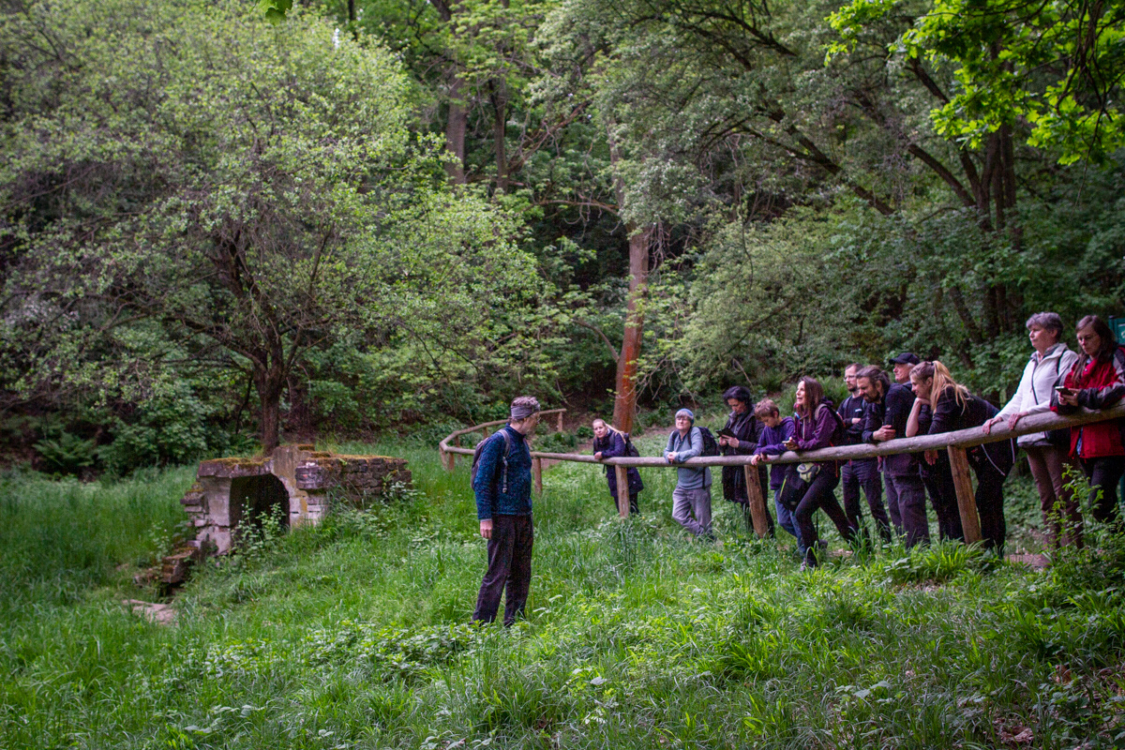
(816, 424)
(1048, 453)
(740, 438)
(691, 500)
(1096, 381)
(890, 405)
(609, 442)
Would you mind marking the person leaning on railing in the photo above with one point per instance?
(1047, 452)
(1097, 381)
(739, 437)
(816, 424)
(886, 419)
(609, 442)
(953, 408)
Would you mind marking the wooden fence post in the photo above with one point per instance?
(560, 421)
(537, 473)
(622, 490)
(758, 510)
(966, 502)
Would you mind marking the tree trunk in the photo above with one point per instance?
(625, 403)
(270, 383)
(455, 128)
(499, 130)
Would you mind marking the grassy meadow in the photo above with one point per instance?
(354, 634)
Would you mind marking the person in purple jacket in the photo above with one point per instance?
(775, 431)
(609, 442)
(816, 424)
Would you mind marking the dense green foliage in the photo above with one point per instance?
(359, 215)
(354, 634)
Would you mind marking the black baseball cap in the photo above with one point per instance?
(906, 358)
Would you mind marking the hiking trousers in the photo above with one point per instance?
(910, 506)
(692, 510)
(1058, 502)
(509, 569)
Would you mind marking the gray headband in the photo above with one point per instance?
(521, 412)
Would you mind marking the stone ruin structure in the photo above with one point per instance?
(295, 482)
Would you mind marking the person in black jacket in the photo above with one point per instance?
(954, 408)
(610, 443)
(860, 472)
(889, 408)
(740, 438)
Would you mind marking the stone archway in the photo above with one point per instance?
(255, 498)
(294, 481)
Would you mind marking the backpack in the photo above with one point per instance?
(710, 446)
(630, 449)
(840, 433)
(503, 459)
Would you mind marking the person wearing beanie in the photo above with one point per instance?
(691, 500)
(503, 491)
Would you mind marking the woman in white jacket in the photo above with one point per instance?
(1047, 368)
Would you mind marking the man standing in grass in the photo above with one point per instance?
(502, 485)
(691, 500)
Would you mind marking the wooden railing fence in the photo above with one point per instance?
(955, 443)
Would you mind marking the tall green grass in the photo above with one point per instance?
(355, 634)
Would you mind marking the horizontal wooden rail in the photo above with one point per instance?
(953, 442)
(449, 451)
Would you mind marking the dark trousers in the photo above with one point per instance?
(910, 495)
(820, 496)
(1104, 473)
(509, 567)
(938, 480)
(864, 474)
(990, 503)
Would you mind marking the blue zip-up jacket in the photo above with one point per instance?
(488, 486)
(772, 443)
(688, 478)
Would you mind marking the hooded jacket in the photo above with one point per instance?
(1100, 384)
(1037, 386)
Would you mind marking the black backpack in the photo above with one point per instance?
(710, 445)
(630, 449)
(503, 459)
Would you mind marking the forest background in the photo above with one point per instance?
(223, 223)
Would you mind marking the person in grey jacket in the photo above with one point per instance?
(1047, 368)
(691, 500)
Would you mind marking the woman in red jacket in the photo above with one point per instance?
(1097, 381)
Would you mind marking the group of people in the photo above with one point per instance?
(916, 398)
